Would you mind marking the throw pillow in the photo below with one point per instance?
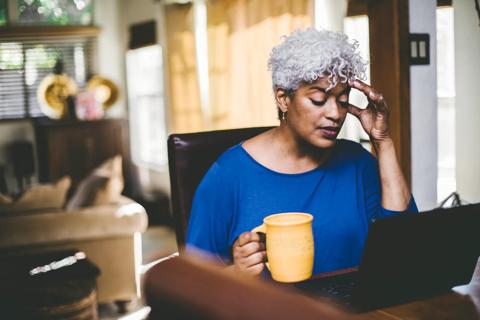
(103, 186)
(4, 199)
(39, 197)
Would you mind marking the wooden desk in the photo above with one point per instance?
(463, 303)
(453, 305)
(182, 288)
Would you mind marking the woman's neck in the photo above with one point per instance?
(280, 150)
(293, 149)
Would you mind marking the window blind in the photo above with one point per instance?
(25, 61)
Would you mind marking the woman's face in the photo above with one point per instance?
(316, 115)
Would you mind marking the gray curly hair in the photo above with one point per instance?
(306, 55)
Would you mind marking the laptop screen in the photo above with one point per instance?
(414, 254)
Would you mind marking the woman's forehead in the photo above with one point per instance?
(322, 84)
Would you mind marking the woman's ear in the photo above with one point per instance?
(283, 99)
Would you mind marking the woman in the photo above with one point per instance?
(300, 166)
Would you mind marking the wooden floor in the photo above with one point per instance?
(157, 242)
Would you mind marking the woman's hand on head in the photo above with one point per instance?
(249, 254)
(374, 118)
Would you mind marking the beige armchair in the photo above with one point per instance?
(110, 235)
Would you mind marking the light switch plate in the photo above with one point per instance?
(419, 48)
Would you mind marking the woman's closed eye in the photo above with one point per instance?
(318, 103)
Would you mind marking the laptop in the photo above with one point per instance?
(407, 257)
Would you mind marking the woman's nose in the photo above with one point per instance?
(332, 111)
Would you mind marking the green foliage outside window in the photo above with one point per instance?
(11, 56)
(3, 12)
(38, 56)
(55, 12)
(42, 57)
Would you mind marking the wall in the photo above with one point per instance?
(467, 71)
(329, 14)
(110, 62)
(423, 106)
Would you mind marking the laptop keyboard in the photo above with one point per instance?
(337, 288)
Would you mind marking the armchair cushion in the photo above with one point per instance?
(111, 220)
(39, 197)
(103, 186)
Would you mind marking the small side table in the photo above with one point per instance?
(54, 285)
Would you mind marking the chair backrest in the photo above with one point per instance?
(189, 157)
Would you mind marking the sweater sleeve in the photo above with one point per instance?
(211, 216)
(373, 192)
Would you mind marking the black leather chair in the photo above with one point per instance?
(189, 157)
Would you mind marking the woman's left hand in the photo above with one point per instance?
(374, 118)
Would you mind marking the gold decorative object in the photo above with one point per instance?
(52, 94)
(105, 91)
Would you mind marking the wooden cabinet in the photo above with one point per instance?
(75, 148)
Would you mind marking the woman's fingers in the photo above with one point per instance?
(249, 253)
(254, 259)
(250, 248)
(381, 104)
(376, 99)
(247, 244)
(370, 92)
(365, 88)
(356, 111)
(247, 237)
(256, 269)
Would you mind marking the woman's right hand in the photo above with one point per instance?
(249, 254)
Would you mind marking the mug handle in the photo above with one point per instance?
(262, 229)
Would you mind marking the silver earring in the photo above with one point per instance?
(283, 115)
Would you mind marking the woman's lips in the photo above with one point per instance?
(330, 132)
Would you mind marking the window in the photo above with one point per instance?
(356, 27)
(446, 183)
(28, 54)
(148, 132)
(25, 61)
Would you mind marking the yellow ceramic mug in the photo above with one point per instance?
(289, 245)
